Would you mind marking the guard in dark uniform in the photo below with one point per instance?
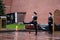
(50, 22)
(34, 21)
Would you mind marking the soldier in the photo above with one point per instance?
(50, 22)
(34, 21)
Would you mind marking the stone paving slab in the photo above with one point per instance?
(42, 35)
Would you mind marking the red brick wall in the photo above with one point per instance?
(42, 7)
(8, 5)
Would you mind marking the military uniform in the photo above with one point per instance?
(34, 21)
(50, 22)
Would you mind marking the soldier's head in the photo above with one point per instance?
(50, 13)
(35, 13)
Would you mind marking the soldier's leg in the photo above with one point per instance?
(50, 28)
(35, 29)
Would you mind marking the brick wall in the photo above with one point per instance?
(42, 7)
(8, 5)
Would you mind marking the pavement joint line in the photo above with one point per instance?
(26, 30)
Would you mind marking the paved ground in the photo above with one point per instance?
(29, 36)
